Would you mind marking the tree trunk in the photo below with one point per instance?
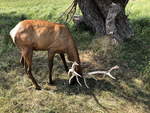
(106, 17)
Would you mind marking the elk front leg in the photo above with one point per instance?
(50, 65)
(64, 61)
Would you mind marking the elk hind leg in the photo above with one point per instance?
(22, 60)
(28, 63)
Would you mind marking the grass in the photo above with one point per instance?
(128, 94)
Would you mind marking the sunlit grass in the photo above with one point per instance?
(138, 9)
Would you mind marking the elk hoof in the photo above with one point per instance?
(51, 83)
(38, 88)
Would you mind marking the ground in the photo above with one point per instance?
(129, 93)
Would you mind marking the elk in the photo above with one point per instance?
(29, 35)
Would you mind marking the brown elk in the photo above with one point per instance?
(29, 35)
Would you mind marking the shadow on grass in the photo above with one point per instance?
(7, 22)
(62, 86)
(137, 96)
(135, 53)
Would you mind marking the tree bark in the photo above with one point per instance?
(106, 17)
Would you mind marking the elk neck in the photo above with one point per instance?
(73, 56)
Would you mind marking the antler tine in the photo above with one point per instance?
(85, 82)
(113, 68)
(110, 76)
(75, 75)
(71, 78)
(69, 72)
(78, 81)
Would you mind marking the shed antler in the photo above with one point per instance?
(88, 75)
(104, 72)
(74, 73)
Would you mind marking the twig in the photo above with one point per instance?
(69, 12)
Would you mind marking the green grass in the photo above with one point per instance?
(138, 9)
(128, 94)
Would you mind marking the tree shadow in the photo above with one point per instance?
(137, 96)
(62, 86)
(133, 53)
(7, 22)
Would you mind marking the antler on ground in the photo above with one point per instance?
(104, 72)
(88, 75)
(74, 73)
